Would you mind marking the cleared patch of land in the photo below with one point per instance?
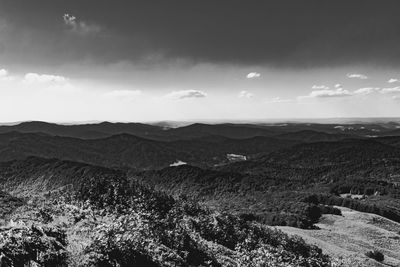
(351, 235)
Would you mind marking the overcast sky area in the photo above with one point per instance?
(85, 60)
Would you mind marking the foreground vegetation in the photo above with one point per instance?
(61, 213)
(106, 220)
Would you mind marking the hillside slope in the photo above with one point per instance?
(270, 199)
(310, 136)
(128, 151)
(288, 186)
(83, 131)
(354, 234)
(102, 219)
(328, 153)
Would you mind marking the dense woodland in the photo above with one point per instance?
(106, 195)
(105, 220)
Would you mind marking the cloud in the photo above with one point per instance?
(279, 100)
(326, 92)
(43, 78)
(245, 94)
(366, 90)
(390, 90)
(396, 97)
(80, 27)
(4, 75)
(186, 94)
(3, 72)
(123, 93)
(339, 92)
(392, 80)
(320, 87)
(253, 75)
(357, 76)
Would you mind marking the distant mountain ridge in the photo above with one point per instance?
(129, 151)
(154, 147)
(81, 178)
(161, 131)
(348, 150)
(83, 131)
(314, 136)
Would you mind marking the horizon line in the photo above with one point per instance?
(220, 121)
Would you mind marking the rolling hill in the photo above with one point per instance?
(83, 131)
(282, 186)
(128, 151)
(74, 188)
(310, 136)
(328, 153)
(80, 215)
(163, 132)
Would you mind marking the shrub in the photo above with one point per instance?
(376, 255)
(43, 245)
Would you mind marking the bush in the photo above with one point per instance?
(376, 255)
(44, 246)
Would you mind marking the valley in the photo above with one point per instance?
(211, 195)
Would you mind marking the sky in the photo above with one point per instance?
(130, 60)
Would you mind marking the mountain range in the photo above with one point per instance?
(195, 192)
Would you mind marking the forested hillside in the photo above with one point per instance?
(100, 218)
(295, 186)
(115, 200)
(128, 151)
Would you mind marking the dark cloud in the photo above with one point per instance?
(281, 33)
(79, 27)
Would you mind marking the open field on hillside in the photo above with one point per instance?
(352, 235)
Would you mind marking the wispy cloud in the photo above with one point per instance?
(357, 76)
(3, 72)
(320, 87)
(245, 94)
(279, 100)
(253, 75)
(43, 78)
(80, 27)
(4, 75)
(325, 93)
(390, 90)
(339, 92)
(186, 94)
(392, 80)
(366, 90)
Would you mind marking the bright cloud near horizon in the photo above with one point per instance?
(147, 61)
(186, 94)
(245, 94)
(253, 75)
(357, 76)
(318, 87)
(43, 78)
